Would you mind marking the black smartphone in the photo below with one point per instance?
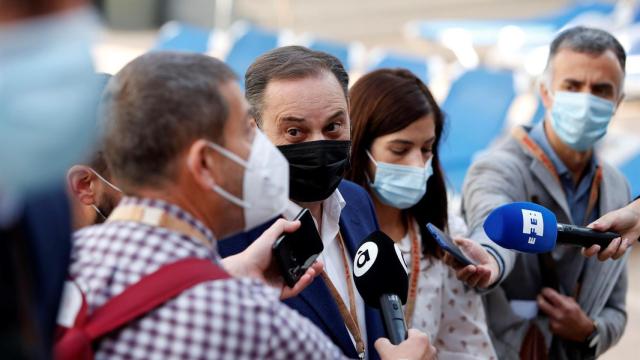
(295, 252)
(448, 245)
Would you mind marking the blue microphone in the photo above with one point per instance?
(531, 228)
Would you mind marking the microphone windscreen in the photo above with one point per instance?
(378, 268)
(522, 226)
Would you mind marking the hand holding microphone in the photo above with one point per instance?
(380, 275)
(532, 228)
(626, 221)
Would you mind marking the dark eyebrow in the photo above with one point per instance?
(573, 82)
(290, 118)
(336, 115)
(431, 139)
(602, 86)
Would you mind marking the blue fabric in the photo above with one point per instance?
(255, 42)
(475, 116)
(357, 220)
(337, 49)
(183, 37)
(631, 169)
(416, 64)
(45, 221)
(577, 196)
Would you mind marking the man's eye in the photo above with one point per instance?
(334, 126)
(571, 87)
(293, 132)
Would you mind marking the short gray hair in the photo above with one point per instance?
(288, 62)
(155, 107)
(585, 40)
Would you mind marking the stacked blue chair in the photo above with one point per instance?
(251, 42)
(416, 64)
(631, 169)
(337, 49)
(183, 37)
(475, 111)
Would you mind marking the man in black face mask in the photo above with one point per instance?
(299, 99)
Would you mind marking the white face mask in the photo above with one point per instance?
(265, 184)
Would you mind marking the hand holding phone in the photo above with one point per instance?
(295, 252)
(447, 244)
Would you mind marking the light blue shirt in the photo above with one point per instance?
(577, 195)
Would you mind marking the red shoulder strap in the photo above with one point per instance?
(151, 291)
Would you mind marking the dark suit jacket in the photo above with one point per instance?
(357, 220)
(41, 241)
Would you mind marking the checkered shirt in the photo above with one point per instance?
(225, 319)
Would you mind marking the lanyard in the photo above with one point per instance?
(414, 274)
(547, 260)
(349, 315)
(523, 138)
(159, 218)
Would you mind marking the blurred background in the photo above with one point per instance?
(481, 59)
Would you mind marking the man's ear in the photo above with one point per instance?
(80, 181)
(545, 95)
(201, 163)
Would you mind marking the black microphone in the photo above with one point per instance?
(585, 237)
(380, 275)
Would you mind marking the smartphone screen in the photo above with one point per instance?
(295, 252)
(447, 244)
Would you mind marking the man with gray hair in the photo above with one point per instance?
(559, 304)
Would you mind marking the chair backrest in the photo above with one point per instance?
(475, 111)
(631, 169)
(183, 37)
(250, 42)
(337, 49)
(416, 64)
(540, 112)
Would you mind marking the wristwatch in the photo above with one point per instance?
(594, 338)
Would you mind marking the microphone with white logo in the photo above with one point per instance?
(380, 275)
(531, 228)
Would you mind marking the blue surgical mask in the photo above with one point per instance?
(580, 119)
(49, 95)
(400, 186)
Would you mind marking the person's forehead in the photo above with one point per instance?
(581, 66)
(421, 130)
(311, 96)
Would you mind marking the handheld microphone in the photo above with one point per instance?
(531, 228)
(380, 275)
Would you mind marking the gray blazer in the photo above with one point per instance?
(507, 172)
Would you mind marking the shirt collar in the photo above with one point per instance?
(335, 203)
(538, 135)
(331, 211)
(174, 210)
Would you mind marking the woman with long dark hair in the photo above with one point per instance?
(396, 129)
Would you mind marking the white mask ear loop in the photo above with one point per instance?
(106, 181)
(371, 157)
(219, 190)
(374, 163)
(98, 211)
